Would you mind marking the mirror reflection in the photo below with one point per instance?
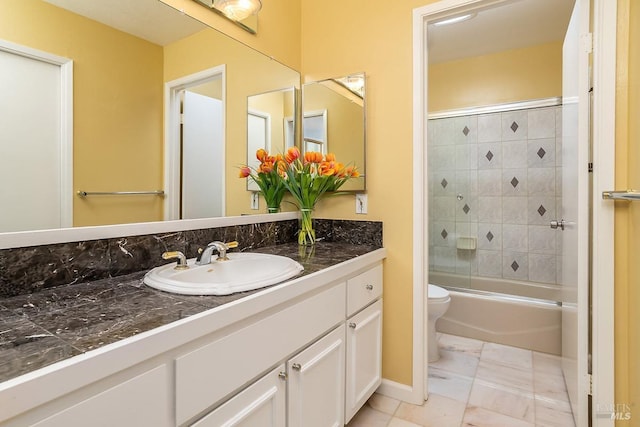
(122, 55)
(271, 125)
(333, 121)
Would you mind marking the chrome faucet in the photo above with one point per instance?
(204, 256)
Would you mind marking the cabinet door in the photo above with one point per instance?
(316, 383)
(364, 357)
(262, 404)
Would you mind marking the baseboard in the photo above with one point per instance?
(399, 391)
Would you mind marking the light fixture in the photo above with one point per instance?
(355, 83)
(454, 20)
(238, 10)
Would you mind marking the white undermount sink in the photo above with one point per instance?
(243, 271)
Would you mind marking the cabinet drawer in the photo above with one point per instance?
(363, 289)
(212, 372)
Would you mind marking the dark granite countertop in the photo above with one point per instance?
(42, 328)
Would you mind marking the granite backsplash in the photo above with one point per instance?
(31, 269)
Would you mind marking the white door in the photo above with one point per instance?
(31, 145)
(575, 211)
(258, 136)
(202, 157)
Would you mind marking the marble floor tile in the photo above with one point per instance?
(383, 403)
(480, 417)
(553, 413)
(369, 417)
(460, 344)
(517, 378)
(438, 411)
(449, 384)
(550, 386)
(480, 384)
(547, 363)
(506, 401)
(458, 362)
(506, 355)
(398, 422)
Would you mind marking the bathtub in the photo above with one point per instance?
(520, 314)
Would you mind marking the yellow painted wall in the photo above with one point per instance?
(513, 75)
(341, 38)
(627, 215)
(115, 148)
(242, 65)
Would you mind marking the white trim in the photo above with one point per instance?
(172, 135)
(66, 121)
(77, 234)
(604, 137)
(604, 77)
(497, 108)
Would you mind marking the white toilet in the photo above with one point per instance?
(438, 300)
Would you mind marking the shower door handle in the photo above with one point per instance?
(555, 224)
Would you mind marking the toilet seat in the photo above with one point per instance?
(436, 293)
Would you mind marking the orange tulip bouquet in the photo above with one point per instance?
(269, 176)
(306, 178)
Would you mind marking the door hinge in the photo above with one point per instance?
(181, 118)
(587, 42)
(590, 167)
(590, 378)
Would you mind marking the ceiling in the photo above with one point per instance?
(509, 25)
(151, 20)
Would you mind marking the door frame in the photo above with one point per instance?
(66, 122)
(604, 76)
(172, 139)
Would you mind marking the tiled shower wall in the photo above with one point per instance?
(496, 177)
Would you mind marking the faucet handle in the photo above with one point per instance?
(231, 245)
(182, 260)
(222, 252)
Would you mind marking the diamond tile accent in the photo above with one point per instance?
(515, 182)
(514, 127)
(466, 208)
(489, 155)
(444, 183)
(541, 152)
(466, 131)
(541, 210)
(444, 233)
(490, 236)
(515, 266)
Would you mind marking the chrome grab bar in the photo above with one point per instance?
(628, 195)
(119, 193)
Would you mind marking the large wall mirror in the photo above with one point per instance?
(124, 53)
(333, 121)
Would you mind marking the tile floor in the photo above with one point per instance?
(480, 384)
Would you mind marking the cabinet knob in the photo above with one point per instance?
(296, 366)
(369, 287)
(352, 325)
(282, 375)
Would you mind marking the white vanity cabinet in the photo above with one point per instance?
(304, 353)
(364, 339)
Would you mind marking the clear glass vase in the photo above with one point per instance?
(306, 232)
